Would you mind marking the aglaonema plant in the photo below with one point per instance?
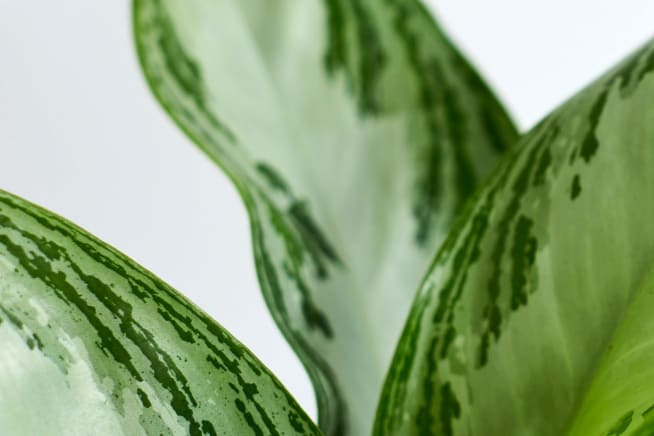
(362, 144)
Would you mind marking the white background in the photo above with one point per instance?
(81, 135)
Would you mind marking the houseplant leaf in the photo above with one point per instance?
(535, 318)
(354, 132)
(93, 343)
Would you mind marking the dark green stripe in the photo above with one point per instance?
(621, 425)
(591, 142)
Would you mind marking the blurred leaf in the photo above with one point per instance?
(536, 316)
(354, 133)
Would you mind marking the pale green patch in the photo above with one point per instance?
(38, 399)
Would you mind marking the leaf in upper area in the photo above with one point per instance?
(91, 343)
(354, 133)
(536, 316)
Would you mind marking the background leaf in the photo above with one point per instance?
(534, 317)
(92, 341)
(354, 133)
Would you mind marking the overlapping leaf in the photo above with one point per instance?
(354, 132)
(536, 317)
(93, 344)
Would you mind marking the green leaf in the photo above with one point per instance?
(92, 343)
(535, 318)
(354, 133)
(622, 383)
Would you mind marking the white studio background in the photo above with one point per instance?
(81, 135)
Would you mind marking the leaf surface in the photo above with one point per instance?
(93, 344)
(535, 318)
(354, 133)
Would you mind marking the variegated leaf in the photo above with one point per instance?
(536, 317)
(90, 343)
(354, 133)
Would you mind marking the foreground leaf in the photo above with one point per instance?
(536, 316)
(92, 343)
(354, 133)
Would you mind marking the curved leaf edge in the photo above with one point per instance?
(310, 364)
(62, 224)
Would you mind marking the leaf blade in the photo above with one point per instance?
(311, 108)
(525, 296)
(621, 380)
(80, 321)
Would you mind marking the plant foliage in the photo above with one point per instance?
(362, 143)
(354, 133)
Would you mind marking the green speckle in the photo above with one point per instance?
(312, 235)
(591, 144)
(273, 178)
(295, 422)
(621, 425)
(178, 63)
(249, 419)
(315, 318)
(354, 47)
(575, 190)
(184, 70)
(545, 159)
(450, 409)
(208, 429)
(144, 398)
(523, 254)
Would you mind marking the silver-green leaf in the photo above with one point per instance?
(536, 316)
(354, 133)
(91, 343)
